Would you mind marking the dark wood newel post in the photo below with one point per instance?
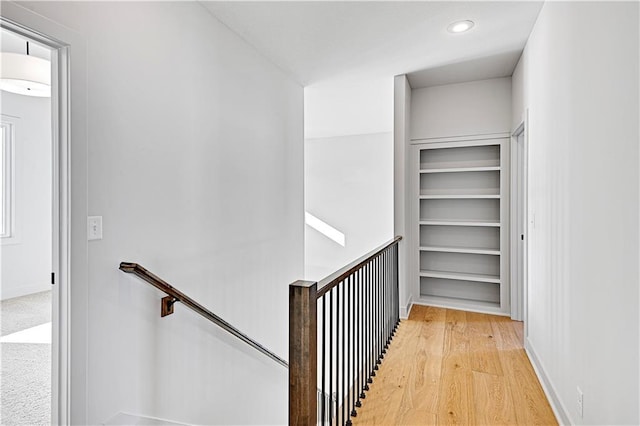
(303, 354)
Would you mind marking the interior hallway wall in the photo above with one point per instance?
(348, 185)
(195, 163)
(25, 258)
(578, 80)
(348, 169)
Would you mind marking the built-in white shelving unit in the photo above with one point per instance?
(461, 224)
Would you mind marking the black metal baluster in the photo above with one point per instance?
(380, 309)
(373, 318)
(365, 372)
(342, 388)
(354, 345)
(390, 293)
(338, 354)
(393, 293)
(368, 326)
(375, 314)
(397, 249)
(384, 303)
(360, 387)
(350, 349)
(347, 350)
(330, 356)
(354, 309)
(389, 300)
(323, 348)
(396, 301)
(389, 297)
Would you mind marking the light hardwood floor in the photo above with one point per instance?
(453, 367)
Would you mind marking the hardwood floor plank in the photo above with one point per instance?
(529, 399)
(418, 417)
(482, 344)
(505, 332)
(427, 364)
(452, 367)
(492, 400)
(531, 404)
(455, 402)
(387, 391)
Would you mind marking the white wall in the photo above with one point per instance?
(402, 218)
(348, 169)
(348, 107)
(349, 185)
(578, 79)
(26, 256)
(462, 109)
(196, 165)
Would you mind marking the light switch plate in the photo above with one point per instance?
(94, 227)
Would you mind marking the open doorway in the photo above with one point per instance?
(519, 237)
(27, 222)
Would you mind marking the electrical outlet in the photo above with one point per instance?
(580, 402)
(94, 228)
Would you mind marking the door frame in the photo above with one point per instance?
(69, 194)
(519, 207)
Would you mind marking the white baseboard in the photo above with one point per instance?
(10, 292)
(558, 408)
(406, 309)
(124, 419)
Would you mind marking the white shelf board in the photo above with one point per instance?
(460, 193)
(471, 250)
(461, 276)
(462, 304)
(468, 164)
(458, 196)
(460, 169)
(445, 222)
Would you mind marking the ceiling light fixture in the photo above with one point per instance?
(25, 74)
(460, 26)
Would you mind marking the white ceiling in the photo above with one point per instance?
(319, 41)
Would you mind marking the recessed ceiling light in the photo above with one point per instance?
(460, 26)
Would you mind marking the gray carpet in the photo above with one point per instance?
(25, 373)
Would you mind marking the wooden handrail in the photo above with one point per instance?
(174, 295)
(334, 279)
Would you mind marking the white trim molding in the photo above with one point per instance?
(558, 408)
(132, 419)
(8, 231)
(406, 309)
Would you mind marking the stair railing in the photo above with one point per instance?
(339, 331)
(174, 295)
